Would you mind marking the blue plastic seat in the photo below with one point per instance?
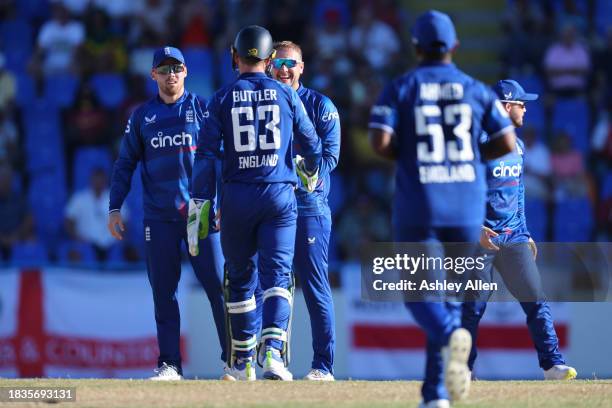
(573, 116)
(86, 160)
(109, 89)
(573, 220)
(26, 89)
(606, 186)
(83, 250)
(337, 193)
(47, 199)
(537, 218)
(61, 89)
(225, 73)
(29, 253)
(17, 34)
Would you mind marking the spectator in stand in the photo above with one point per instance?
(195, 28)
(567, 64)
(330, 38)
(8, 86)
(374, 41)
(537, 167)
(86, 214)
(58, 40)
(568, 169)
(16, 222)
(86, 123)
(360, 224)
(9, 143)
(103, 50)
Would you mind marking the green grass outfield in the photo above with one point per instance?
(207, 393)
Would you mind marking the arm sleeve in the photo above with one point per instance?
(383, 114)
(305, 133)
(495, 121)
(130, 154)
(329, 130)
(204, 178)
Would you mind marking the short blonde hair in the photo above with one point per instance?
(288, 45)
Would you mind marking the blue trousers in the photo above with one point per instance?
(437, 319)
(514, 261)
(310, 263)
(163, 255)
(258, 219)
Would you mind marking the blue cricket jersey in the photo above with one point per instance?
(437, 114)
(253, 120)
(163, 137)
(506, 192)
(326, 120)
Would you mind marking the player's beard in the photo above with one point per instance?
(173, 89)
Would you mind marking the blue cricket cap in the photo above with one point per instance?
(508, 90)
(434, 30)
(165, 53)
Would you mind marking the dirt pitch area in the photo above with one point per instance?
(207, 393)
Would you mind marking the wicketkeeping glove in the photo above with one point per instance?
(309, 180)
(197, 224)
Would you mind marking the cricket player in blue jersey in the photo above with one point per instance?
(314, 216)
(429, 120)
(506, 239)
(162, 135)
(255, 118)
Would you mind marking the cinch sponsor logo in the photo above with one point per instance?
(507, 171)
(330, 116)
(161, 140)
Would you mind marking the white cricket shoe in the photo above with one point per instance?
(317, 375)
(439, 403)
(457, 375)
(243, 370)
(274, 366)
(560, 372)
(166, 373)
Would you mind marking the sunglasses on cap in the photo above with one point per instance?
(278, 63)
(167, 69)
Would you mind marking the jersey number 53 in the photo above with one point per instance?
(429, 130)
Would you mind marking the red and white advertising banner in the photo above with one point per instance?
(61, 322)
(386, 343)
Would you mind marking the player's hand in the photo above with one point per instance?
(485, 238)
(197, 224)
(309, 180)
(533, 247)
(115, 225)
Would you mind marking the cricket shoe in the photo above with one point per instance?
(274, 366)
(319, 375)
(166, 373)
(242, 370)
(439, 403)
(457, 375)
(560, 372)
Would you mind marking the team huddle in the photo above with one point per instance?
(244, 183)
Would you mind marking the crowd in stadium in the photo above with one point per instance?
(72, 71)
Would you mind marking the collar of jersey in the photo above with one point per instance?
(437, 64)
(301, 89)
(179, 100)
(253, 75)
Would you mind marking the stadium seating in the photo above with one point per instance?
(109, 89)
(606, 186)
(537, 218)
(602, 15)
(61, 89)
(84, 252)
(47, 198)
(29, 253)
(17, 41)
(572, 115)
(573, 220)
(26, 89)
(337, 193)
(225, 73)
(87, 159)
